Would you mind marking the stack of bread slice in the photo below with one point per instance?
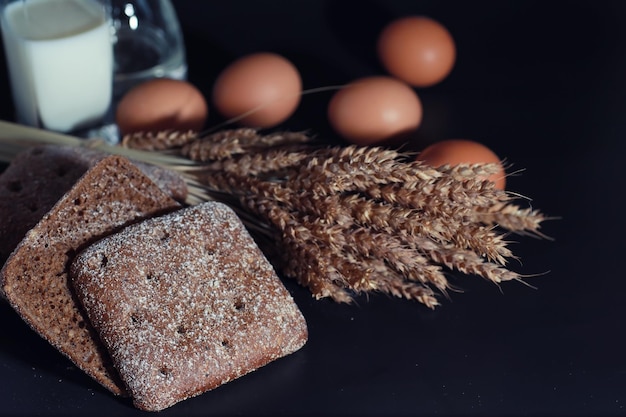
(154, 300)
(38, 177)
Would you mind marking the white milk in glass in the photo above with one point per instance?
(60, 61)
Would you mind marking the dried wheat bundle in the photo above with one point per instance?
(340, 220)
(349, 220)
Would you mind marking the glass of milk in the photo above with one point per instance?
(148, 43)
(60, 60)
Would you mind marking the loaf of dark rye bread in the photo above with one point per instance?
(38, 177)
(111, 195)
(186, 302)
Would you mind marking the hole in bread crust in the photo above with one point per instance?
(152, 278)
(181, 329)
(165, 372)
(226, 344)
(239, 305)
(104, 261)
(210, 249)
(164, 236)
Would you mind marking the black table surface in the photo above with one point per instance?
(544, 85)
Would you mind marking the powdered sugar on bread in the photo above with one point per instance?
(186, 302)
(111, 195)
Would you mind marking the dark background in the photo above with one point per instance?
(540, 82)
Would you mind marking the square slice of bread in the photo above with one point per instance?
(186, 302)
(38, 177)
(111, 195)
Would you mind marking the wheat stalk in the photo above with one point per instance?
(344, 220)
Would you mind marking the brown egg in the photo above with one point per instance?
(461, 151)
(374, 109)
(161, 104)
(265, 84)
(418, 50)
